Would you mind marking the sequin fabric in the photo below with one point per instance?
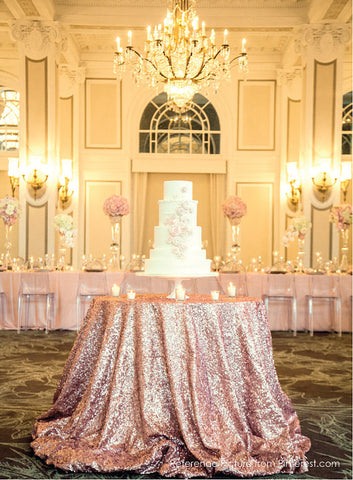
(189, 388)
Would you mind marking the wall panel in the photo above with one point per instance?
(321, 234)
(103, 113)
(293, 130)
(37, 107)
(256, 115)
(36, 238)
(324, 110)
(256, 229)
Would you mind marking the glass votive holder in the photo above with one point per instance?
(215, 294)
(131, 294)
(115, 290)
(231, 290)
(180, 293)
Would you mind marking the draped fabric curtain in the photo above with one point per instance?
(139, 185)
(217, 221)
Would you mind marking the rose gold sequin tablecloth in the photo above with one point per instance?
(179, 388)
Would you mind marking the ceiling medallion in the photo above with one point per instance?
(179, 56)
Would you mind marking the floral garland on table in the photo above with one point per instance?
(234, 208)
(341, 216)
(179, 228)
(65, 226)
(10, 210)
(115, 207)
(297, 229)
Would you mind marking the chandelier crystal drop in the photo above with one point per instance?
(179, 56)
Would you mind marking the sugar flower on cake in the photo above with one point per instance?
(116, 206)
(341, 216)
(179, 229)
(297, 229)
(10, 210)
(64, 224)
(234, 208)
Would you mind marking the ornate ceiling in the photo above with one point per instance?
(92, 25)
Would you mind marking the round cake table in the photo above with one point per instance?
(154, 385)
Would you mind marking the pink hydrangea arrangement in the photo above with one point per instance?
(234, 208)
(116, 206)
(10, 210)
(341, 216)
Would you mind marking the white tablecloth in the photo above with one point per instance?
(65, 286)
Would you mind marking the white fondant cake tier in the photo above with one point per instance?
(170, 267)
(177, 238)
(170, 208)
(177, 190)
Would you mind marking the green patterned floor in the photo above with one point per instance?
(314, 372)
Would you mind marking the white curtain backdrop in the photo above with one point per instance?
(217, 221)
(139, 186)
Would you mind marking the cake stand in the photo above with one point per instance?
(178, 279)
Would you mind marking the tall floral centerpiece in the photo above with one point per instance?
(115, 207)
(10, 210)
(341, 216)
(297, 229)
(234, 208)
(64, 224)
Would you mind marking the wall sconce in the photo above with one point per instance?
(36, 175)
(322, 179)
(294, 181)
(64, 188)
(14, 174)
(345, 179)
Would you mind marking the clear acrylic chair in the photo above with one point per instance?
(90, 285)
(3, 309)
(34, 287)
(239, 280)
(281, 287)
(324, 288)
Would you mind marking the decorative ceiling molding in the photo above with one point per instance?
(39, 37)
(323, 39)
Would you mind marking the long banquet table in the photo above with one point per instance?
(179, 388)
(65, 286)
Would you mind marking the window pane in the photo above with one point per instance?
(144, 143)
(347, 144)
(212, 117)
(147, 117)
(215, 143)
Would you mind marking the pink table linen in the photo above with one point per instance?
(66, 287)
(179, 388)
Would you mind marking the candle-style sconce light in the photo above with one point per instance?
(345, 179)
(295, 187)
(322, 178)
(14, 174)
(36, 175)
(64, 182)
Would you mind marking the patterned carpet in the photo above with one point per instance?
(314, 372)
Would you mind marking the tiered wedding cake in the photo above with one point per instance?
(177, 238)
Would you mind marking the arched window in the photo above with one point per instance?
(9, 119)
(347, 124)
(194, 131)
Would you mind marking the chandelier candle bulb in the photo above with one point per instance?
(129, 38)
(225, 41)
(115, 290)
(203, 29)
(215, 294)
(131, 294)
(243, 50)
(231, 290)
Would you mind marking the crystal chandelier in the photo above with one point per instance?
(179, 56)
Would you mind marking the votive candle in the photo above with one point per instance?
(115, 290)
(131, 294)
(180, 293)
(231, 290)
(215, 294)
